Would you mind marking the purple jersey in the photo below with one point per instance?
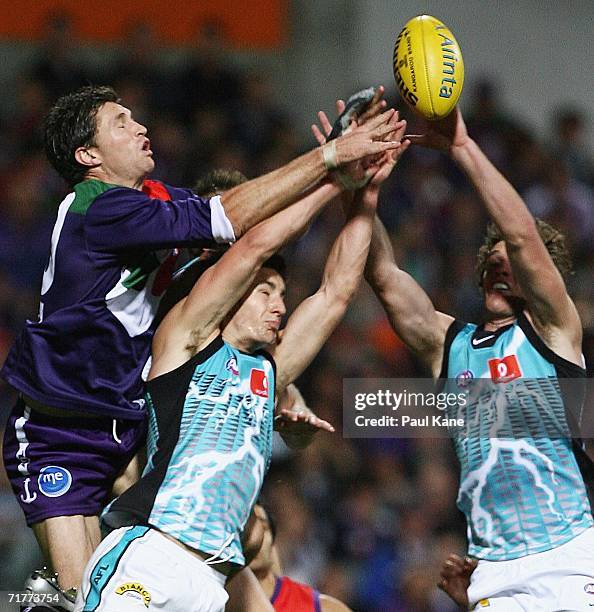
(100, 293)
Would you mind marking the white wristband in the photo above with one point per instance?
(330, 157)
(351, 184)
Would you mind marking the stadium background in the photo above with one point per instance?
(365, 520)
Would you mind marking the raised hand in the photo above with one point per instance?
(377, 167)
(372, 138)
(298, 425)
(376, 106)
(445, 134)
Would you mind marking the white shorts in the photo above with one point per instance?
(138, 568)
(561, 579)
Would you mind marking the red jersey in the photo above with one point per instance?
(291, 596)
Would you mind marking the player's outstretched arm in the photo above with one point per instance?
(314, 320)
(408, 307)
(543, 287)
(410, 311)
(258, 199)
(193, 320)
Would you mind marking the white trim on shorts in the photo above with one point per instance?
(21, 436)
(552, 581)
(148, 571)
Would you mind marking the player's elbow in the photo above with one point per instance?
(259, 244)
(340, 292)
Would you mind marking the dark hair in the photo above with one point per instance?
(277, 263)
(72, 123)
(217, 181)
(553, 239)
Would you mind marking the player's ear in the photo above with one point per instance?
(87, 156)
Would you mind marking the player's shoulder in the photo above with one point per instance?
(459, 330)
(86, 193)
(159, 190)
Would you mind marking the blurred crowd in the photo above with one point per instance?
(367, 521)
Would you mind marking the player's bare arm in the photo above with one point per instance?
(251, 202)
(550, 308)
(194, 321)
(411, 313)
(314, 320)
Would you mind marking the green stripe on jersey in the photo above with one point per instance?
(86, 193)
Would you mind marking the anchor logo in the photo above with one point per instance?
(28, 498)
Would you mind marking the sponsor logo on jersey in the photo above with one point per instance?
(259, 383)
(589, 588)
(136, 590)
(484, 603)
(231, 366)
(505, 370)
(479, 341)
(54, 481)
(463, 379)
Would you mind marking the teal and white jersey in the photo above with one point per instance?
(209, 445)
(521, 487)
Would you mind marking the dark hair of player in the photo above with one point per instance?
(217, 181)
(553, 239)
(72, 123)
(214, 182)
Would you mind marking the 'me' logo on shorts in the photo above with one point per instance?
(54, 480)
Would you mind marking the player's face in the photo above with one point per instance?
(499, 285)
(121, 146)
(259, 316)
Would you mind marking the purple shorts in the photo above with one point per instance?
(62, 466)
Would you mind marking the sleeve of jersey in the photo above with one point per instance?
(122, 219)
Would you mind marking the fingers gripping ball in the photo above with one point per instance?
(428, 67)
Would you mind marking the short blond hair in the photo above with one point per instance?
(553, 239)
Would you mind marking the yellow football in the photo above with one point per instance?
(428, 67)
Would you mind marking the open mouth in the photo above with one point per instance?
(146, 146)
(501, 287)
